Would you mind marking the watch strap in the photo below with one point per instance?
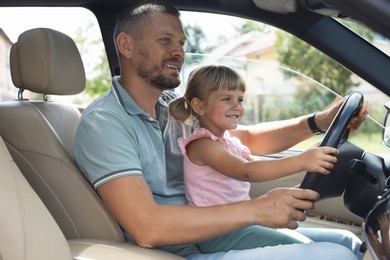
(313, 126)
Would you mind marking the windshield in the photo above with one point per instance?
(285, 76)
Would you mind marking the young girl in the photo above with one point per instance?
(218, 167)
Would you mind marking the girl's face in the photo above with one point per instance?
(223, 111)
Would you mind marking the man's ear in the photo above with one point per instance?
(124, 44)
(197, 106)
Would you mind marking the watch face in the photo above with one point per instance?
(376, 228)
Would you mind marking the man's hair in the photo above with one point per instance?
(131, 19)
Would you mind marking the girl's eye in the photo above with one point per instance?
(226, 99)
(240, 100)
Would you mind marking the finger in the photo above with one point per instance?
(330, 150)
(333, 151)
(304, 194)
(296, 216)
(363, 109)
(371, 232)
(292, 224)
(302, 205)
(300, 215)
(330, 158)
(327, 166)
(323, 170)
(330, 165)
(363, 113)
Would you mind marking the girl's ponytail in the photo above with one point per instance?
(180, 109)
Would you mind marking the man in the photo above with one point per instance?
(127, 148)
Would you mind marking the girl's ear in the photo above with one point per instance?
(124, 44)
(197, 106)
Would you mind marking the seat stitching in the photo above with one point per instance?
(21, 210)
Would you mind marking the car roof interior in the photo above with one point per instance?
(314, 20)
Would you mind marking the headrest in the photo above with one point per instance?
(46, 61)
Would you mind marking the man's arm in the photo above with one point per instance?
(131, 202)
(272, 137)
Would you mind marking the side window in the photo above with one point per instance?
(285, 76)
(78, 23)
(279, 69)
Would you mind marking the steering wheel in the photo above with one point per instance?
(333, 184)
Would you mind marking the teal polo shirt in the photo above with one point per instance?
(116, 138)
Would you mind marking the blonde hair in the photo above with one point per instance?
(202, 81)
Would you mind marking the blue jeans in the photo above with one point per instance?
(328, 244)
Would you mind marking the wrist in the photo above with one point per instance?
(314, 128)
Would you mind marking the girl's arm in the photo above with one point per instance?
(206, 152)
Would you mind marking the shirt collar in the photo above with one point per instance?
(125, 100)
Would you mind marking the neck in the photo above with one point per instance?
(144, 95)
(215, 131)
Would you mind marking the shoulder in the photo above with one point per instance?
(106, 102)
(105, 115)
(202, 138)
(104, 108)
(200, 133)
(235, 145)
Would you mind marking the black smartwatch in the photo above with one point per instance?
(313, 126)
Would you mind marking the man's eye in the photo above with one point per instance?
(164, 40)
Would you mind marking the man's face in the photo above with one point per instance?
(159, 53)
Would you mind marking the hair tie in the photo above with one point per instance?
(187, 102)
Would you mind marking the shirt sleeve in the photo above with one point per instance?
(105, 148)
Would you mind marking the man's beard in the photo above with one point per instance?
(160, 81)
(164, 83)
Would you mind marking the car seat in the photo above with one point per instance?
(39, 134)
(29, 232)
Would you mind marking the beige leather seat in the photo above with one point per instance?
(39, 134)
(28, 231)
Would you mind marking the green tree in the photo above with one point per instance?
(195, 44)
(300, 56)
(250, 26)
(195, 39)
(94, 59)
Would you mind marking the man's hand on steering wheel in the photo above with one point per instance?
(324, 118)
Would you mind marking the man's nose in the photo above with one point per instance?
(178, 50)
